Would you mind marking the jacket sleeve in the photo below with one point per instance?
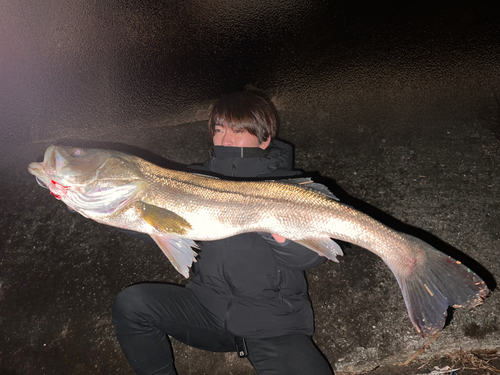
(291, 255)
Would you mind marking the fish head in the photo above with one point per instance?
(89, 180)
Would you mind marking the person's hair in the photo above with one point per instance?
(245, 110)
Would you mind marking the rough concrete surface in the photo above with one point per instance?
(435, 177)
(394, 105)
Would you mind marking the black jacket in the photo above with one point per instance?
(252, 285)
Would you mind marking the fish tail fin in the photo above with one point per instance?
(434, 284)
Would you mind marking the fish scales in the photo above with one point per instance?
(176, 208)
(235, 203)
(240, 206)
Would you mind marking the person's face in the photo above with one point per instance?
(225, 136)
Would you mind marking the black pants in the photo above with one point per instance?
(143, 315)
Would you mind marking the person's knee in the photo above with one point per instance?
(129, 305)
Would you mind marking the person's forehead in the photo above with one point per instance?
(224, 124)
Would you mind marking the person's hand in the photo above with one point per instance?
(278, 239)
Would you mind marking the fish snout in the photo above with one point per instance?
(36, 168)
(40, 169)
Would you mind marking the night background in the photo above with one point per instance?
(395, 106)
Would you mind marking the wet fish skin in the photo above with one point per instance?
(176, 208)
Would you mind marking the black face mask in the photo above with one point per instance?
(223, 152)
(249, 162)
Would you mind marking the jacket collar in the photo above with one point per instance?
(275, 160)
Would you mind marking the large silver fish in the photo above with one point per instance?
(176, 208)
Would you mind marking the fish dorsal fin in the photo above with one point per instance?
(178, 251)
(163, 220)
(323, 246)
(307, 183)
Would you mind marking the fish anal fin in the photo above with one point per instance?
(323, 246)
(178, 250)
(163, 220)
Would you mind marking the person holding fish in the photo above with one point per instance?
(248, 292)
(248, 289)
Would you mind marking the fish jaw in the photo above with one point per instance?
(49, 172)
(52, 165)
(47, 179)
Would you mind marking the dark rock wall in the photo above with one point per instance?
(88, 70)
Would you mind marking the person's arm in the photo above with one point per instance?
(290, 254)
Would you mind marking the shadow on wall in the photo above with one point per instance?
(400, 226)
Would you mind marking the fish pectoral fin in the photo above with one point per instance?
(178, 251)
(325, 247)
(163, 220)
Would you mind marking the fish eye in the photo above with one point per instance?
(77, 151)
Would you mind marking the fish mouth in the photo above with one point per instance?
(35, 168)
(38, 170)
(49, 168)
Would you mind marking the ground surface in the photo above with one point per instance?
(436, 178)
